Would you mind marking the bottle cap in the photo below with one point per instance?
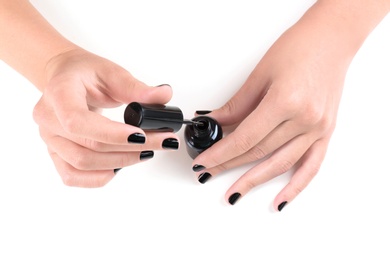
(154, 117)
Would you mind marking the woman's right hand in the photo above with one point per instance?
(86, 147)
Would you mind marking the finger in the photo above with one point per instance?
(76, 178)
(279, 162)
(277, 138)
(75, 118)
(248, 134)
(155, 141)
(250, 94)
(84, 159)
(309, 167)
(124, 88)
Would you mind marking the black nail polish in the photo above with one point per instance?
(170, 143)
(198, 168)
(281, 205)
(203, 112)
(162, 85)
(234, 198)
(117, 170)
(137, 138)
(204, 177)
(146, 155)
(201, 135)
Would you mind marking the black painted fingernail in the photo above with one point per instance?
(137, 138)
(198, 168)
(146, 155)
(203, 112)
(170, 143)
(162, 85)
(281, 205)
(234, 197)
(204, 177)
(117, 170)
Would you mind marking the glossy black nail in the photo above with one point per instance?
(137, 138)
(162, 85)
(170, 143)
(117, 170)
(234, 198)
(281, 205)
(198, 168)
(146, 155)
(204, 177)
(203, 112)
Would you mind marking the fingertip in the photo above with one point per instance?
(233, 198)
(161, 94)
(281, 205)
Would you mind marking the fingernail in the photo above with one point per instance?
(146, 155)
(137, 138)
(204, 177)
(234, 197)
(281, 205)
(198, 168)
(170, 143)
(161, 85)
(117, 170)
(203, 112)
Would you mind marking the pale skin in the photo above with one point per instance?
(285, 112)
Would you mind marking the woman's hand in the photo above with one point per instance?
(87, 148)
(286, 110)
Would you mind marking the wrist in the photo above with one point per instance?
(344, 23)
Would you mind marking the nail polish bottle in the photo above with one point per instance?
(201, 135)
(154, 117)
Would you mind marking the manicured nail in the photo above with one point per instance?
(137, 138)
(203, 112)
(146, 155)
(170, 143)
(117, 170)
(204, 177)
(161, 85)
(281, 205)
(234, 197)
(198, 168)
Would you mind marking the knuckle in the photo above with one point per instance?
(71, 124)
(79, 160)
(38, 113)
(69, 179)
(250, 183)
(283, 166)
(94, 145)
(74, 178)
(297, 189)
(221, 168)
(229, 107)
(312, 115)
(242, 143)
(256, 153)
(326, 123)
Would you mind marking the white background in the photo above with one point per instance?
(157, 209)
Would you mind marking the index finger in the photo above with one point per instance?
(70, 106)
(266, 117)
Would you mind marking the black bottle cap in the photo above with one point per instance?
(154, 117)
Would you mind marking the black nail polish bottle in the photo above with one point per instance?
(202, 135)
(154, 117)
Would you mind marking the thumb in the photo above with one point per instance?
(124, 88)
